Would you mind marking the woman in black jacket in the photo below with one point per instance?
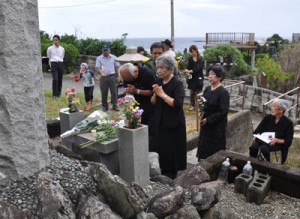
(169, 118)
(195, 69)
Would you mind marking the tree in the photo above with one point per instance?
(276, 77)
(289, 59)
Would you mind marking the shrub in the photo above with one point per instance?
(230, 54)
(71, 54)
(271, 68)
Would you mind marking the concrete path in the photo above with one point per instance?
(68, 82)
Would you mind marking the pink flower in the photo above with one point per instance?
(73, 89)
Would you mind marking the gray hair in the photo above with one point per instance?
(282, 104)
(128, 66)
(167, 61)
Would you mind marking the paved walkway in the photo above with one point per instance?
(68, 82)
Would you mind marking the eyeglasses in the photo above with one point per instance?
(104, 50)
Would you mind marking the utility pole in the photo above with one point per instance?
(172, 25)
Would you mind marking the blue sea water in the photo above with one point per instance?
(180, 42)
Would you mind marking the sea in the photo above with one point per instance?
(180, 42)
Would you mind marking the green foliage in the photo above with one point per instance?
(74, 46)
(44, 47)
(272, 69)
(230, 54)
(71, 54)
(45, 37)
(70, 39)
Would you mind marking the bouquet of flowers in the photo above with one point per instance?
(72, 100)
(202, 101)
(181, 62)
(131, 111)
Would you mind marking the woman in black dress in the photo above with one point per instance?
(212, 136)
(195, 69)
(169, 118)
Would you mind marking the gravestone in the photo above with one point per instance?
(23, 135)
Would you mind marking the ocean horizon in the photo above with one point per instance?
(180, 42)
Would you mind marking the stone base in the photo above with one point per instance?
(133, 154)
(69, 120)
(105, 153)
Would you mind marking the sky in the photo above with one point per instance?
(109, 19)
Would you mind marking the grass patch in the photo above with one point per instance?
(293, 159)
(54, 105)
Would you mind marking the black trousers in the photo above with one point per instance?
(264, 148)
(57, 70)
(88, 93)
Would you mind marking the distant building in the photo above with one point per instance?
(296, 38)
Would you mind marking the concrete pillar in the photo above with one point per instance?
(252, 59)
(133, 154)
(23, 134)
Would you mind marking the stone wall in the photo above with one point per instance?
(239, 132)
(255, 97)
(23, 136)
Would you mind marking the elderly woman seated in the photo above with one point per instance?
(284, 131)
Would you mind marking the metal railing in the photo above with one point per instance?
(265, 105)
(243, 39)
(236, 98)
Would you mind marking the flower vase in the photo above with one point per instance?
(133, 154)
(73, 107)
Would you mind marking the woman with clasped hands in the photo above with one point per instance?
(212, 136)
(168, 95)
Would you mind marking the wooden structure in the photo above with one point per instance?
(241, 41)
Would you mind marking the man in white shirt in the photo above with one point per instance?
(56, 55)
(168, 48)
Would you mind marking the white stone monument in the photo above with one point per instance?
(23, 134)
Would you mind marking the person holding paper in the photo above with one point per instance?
(278, 123)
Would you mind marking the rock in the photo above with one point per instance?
(163, 180)
(67, 152)
(192, 176)
(167, 203)
(188, 211)
(206, 195)
(53, 200)
(9, 211)
(154, 164)
(144, 215)
(122, 198)
(89, 207)
(23, 135)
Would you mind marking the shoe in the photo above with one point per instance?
(115, 108)
(54, 97)
(104, 109)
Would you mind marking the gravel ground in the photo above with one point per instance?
(275, 205)
(73, 176)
